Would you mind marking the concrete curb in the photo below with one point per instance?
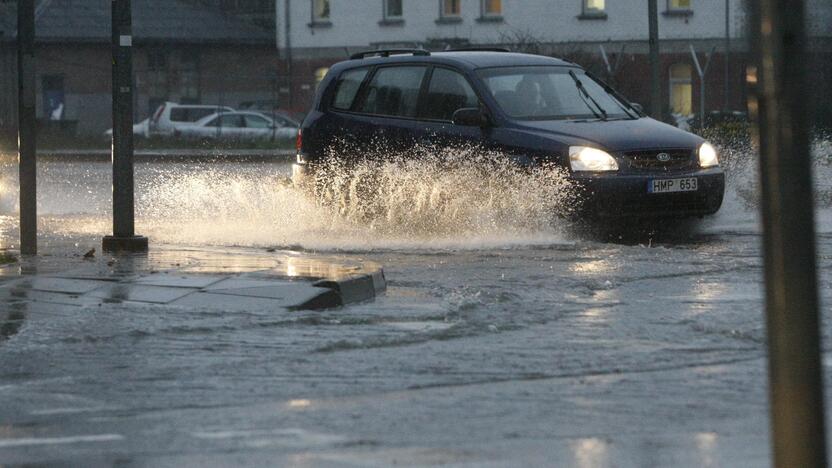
(178, 278)
(348, 290)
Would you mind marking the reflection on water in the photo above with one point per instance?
(299, 403)
(591, 453)
(706, 443)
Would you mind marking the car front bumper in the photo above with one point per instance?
(626, 195)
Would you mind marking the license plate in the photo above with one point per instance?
(684, 184)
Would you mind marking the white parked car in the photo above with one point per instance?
(171, 116)
(239, 125)
(141, 130)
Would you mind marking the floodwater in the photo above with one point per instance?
(505, 338)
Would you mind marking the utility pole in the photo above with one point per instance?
(655, 85)
(124, 238)
(780, 104)
(27, 127)
(288, 45)
(727, 57)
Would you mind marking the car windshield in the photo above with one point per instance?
(551, 93)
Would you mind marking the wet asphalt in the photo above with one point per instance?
(553, 347)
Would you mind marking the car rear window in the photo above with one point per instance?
(190, 114)
(394, 91)
(347, 87)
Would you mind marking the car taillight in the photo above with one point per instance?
(299, 140)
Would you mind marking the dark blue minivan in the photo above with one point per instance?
(532, 108)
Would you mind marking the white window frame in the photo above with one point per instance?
(386, 11)
(484, 13)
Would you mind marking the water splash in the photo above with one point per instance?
(740, 209)
(461, 199)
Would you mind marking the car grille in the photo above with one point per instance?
(649, 160)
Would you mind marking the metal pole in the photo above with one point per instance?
(701, 72)
(655, 85)
(727, 57)
(124, 237)
(780, 104)
(288, 23)
(27, 127)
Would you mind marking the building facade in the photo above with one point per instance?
(182, 52)
(608, 37)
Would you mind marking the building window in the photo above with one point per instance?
(320, 11)
(450, 8)
(393, 10)
(157, 77)
(684, 5)
(681, 89)
(53, 97)
(492, 8)
(594, 7)
(188, 74)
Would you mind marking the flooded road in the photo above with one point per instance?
(504, 338)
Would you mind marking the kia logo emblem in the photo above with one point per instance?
(663, 157)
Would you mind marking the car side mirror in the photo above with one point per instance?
(471, 117)
(637, 107)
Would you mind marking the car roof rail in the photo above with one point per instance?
(388, 52)
(478, 49)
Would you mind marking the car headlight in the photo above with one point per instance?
(585, 158)
(707, 156)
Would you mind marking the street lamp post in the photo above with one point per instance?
(27, 127)
(655, 89)
(124, 237)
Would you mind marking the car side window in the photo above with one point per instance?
(448, 92)
(347, 88)
(394, 91)
(179, 114)
(255, 121)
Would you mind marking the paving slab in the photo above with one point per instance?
(238, 283)
(178, 280)
(292, 293)
(225, 280)
(59, 285)
(10, 296)
(96, 272)
(228, 303)
(141, 293)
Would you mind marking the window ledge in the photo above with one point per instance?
(449, 20)
(592, 16)
(490, 19)
(391, 22)
(678, 13)
(320, 24)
